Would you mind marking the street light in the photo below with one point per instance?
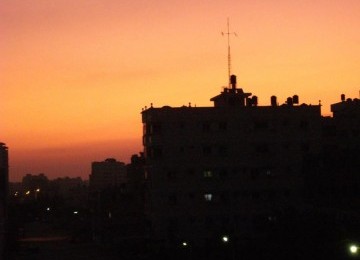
(37, 191)
(353, 249)
(225, 239)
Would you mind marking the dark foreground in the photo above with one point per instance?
(62, 248)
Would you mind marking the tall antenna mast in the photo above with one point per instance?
(229, 53)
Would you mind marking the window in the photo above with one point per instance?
(155, 128)
(154, 152)
(286, 122)
(245, 194)
(144, 140)
(261, 125)
(355, 132)
(224, 197)
(208, 197)
(254, 174)
(208, 174)
(206, 127)
(255, 195)
(146, 175)
(236, 195)
(272, 194)
(269, 172)
(329, 131)
(208, 221)
(172, 199)
(222, 126)
(181, 125)
(191, 219)
(190, 172)
(305, 147)
(222, 150)
(304, 124)
(207, 150)
(223, 174)
(171, 175)
(262, 148)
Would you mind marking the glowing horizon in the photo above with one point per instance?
(76, 74)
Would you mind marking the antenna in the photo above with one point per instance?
(229, 54)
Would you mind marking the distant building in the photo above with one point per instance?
(135, 173)
(73, 190)
(4, 179)
(118, 209)
(346, 115)
(66, 186)
(332, 175)
(106, 174)
(33, 182)
(231, 169)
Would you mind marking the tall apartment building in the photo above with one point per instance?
(228, 169)
(106, 174)
(346, 121)
(333, 174)
(4, 180)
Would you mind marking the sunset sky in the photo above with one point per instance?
(74, 75)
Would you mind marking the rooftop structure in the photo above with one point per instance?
(225, 169)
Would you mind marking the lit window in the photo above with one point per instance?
(208, 174)
(208, 196)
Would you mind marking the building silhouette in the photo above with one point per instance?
(332, 175)
(4, 179)
(107, 174)
(117, 204)
(33, 182)
(233, 169)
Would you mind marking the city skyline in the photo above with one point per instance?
(76, 75)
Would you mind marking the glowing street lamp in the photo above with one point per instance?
(353, 249)
(225, 239)
(36, 193)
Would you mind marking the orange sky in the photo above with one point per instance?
(74, 75)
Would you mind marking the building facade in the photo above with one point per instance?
(4, 180)
(333, 175)
(106, 174)
(230, 169)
